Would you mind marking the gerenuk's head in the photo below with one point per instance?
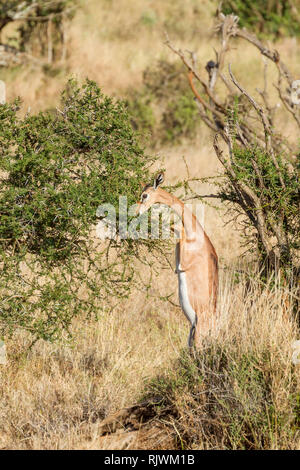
(150, 194)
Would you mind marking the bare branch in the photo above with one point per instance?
(190, 67)
(260, 220)
(265, 121)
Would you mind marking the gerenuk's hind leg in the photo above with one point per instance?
(203, 326)
(192, 334)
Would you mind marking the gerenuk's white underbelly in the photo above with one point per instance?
(183, 295)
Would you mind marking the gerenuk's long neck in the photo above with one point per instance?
(191, 225)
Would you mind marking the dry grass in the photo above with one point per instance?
(114, 41)
(57, 396)
(51, 397)
(242, 390)
(108, 41)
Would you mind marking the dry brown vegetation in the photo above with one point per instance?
(242, 391)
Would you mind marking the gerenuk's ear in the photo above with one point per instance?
(158, 180)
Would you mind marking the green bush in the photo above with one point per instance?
(180, 118)
(56, 169)
(277, 188)
(41, 29)
(164, 107)
(275, 17)
(141, 113)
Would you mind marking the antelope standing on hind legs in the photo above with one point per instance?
(196, 263)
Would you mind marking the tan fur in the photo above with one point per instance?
(198, 259)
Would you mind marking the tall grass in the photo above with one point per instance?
(240, 392)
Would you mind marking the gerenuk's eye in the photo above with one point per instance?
(144, 197)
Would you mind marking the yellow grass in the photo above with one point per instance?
(114, 41)
(57, 396)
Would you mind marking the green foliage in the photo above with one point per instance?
(33, 10)
(164, 107)
(149, 18)
(11, 10)
(277, 188)
(275, 17)
(41, 30)
(141, 113)
(180, 118)
(62, 167)
(56, 169)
